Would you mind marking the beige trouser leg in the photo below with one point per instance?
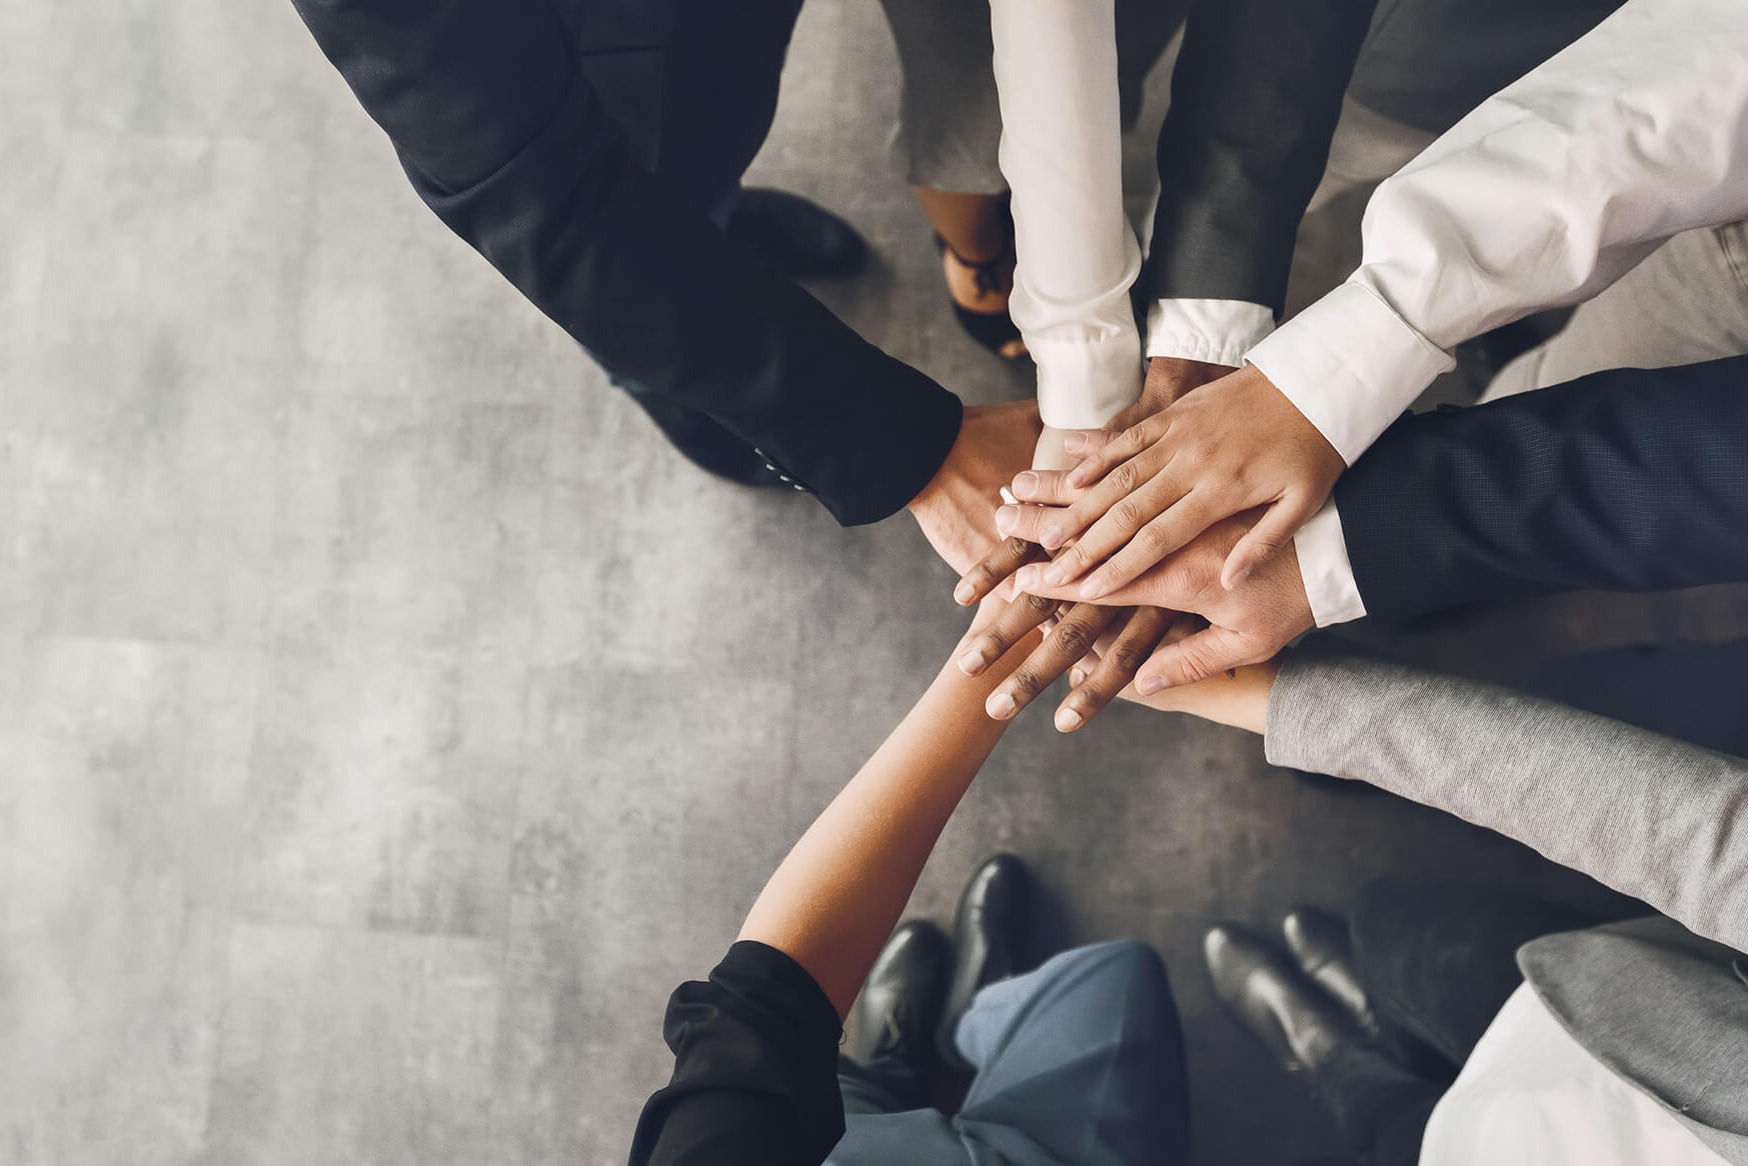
(1368, 147)
(1686, 303)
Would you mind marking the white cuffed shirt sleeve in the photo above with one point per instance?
(1214, 331)
(1547, 193)
(1325, 569)
(1061, 152)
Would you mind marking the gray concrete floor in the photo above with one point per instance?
(389, 720)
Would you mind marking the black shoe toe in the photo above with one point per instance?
(1287, 1012)
(901, 999)
(1319, 943)
(990, 929)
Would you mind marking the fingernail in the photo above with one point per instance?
(1026, 484)
(1148, 685)
(1076, 677)
(972, 662)
(962, 594)
(1052, 537)
(1067, 720)
(1007, 518)
(1055, 576)
(1001, 706)
(1074, 442)
(1026, 578)
(1093, 588)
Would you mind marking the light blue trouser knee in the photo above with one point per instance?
(1079, 1062)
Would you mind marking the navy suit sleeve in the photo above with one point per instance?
(1255, 98)
(504, 139)
(1626, 480)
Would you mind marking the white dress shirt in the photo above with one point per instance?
(1530, 1093)
(1061, 152)
(1548, 192)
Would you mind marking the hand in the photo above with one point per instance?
(1107, 645)
(1168, 378)
(1139, 496)
(1246, 624)
(956, 510)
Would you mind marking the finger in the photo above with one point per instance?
(1197, 657)
(1127, 520)
(1163, 535)
(1060, 651)
(1008, 556)
(1035, 524)
(1149, 590)
(1046, 488)
(1100, 458)
(1274, 530)
(991, 643)
(1115, 669)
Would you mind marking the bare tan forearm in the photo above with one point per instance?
(836, 897)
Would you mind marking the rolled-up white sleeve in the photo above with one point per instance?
(1061, 152)
(1213, 331)
(1547, 193)
(1325, 569)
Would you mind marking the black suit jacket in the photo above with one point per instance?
(1255, 98)
(579, 148)
(1626, 480)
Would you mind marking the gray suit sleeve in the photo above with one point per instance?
(1656, 818)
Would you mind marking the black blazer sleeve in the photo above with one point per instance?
(1255, 97)
(506, 142)
(1626, 480)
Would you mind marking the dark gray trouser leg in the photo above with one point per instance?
(1079, 1061)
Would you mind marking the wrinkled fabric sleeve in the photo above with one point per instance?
(503, 138)
(1652, 817)
(755, 1069)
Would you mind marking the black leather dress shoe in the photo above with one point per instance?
(1319, 943)
(1288, 1013)
(901, 1000)
(801, 240)
(989, 937)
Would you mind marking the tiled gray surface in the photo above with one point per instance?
(389, 720)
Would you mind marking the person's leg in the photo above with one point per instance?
(1686, 303)
(1439, 959)
(1367, 148)
(1382, 1107)
(1081, 1059)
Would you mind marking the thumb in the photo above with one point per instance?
(1197, 657)
(1081, 442)
(1277, 526)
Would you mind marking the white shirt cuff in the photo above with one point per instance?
(1326, 570)
(1083, 383)
(1214, 331)
(1351, 365)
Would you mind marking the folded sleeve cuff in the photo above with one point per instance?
(1351, 365)
(1328, 576)
(1084, 382)
(1213, 331)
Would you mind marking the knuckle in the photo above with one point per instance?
(1153, 538)
(1129, 513)
(1126, 659)
(1073, 637)
(1125, 477)
(1037, 605)
(1024, 683)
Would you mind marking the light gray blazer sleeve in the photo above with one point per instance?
(1659, 819)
